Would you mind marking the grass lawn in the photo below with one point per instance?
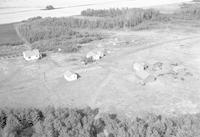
(8, 35)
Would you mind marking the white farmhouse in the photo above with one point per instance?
(70, 76)
(95, 54)
(31, 55)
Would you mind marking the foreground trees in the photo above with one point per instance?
(65, 122)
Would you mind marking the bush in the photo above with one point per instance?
(37, 29)
(49, 7)
(61, 122)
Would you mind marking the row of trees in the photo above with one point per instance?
(47, 28)
(65, 122)
(113, 12)
(51, 31)
(51, 34)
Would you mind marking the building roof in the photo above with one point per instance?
(69, 73)
(30, 53)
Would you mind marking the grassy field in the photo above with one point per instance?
(8, 35)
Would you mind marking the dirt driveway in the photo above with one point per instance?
(110, 83)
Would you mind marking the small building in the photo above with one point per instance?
(70, 76)
(31, 55)
(141, 72)
(95, 55)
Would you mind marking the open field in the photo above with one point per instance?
(113, 96)
(8, 36)
(110, 84)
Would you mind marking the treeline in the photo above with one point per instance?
(124, 18)
(65, 122)
(190, 11)
(54, 33)
(47, 28)
(113, 12)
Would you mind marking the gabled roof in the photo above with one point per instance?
(30, 53)
(69, 73)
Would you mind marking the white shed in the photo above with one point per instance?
(95, 54)
(140, 71)
(70, 76)
(31, 54)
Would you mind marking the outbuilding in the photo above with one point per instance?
(70, 76)
(95, 54)
(141, 72)
(31, 55)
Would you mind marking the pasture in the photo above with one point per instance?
(8, 36)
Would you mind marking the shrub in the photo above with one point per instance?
(49, 7)
(61, 122)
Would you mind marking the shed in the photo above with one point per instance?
(139, 70)
(142, 73)
(70, 76)
(95, 54)
(31, 54)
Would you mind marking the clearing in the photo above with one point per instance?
(110, 83)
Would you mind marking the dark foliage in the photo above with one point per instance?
(34, 18)
(49, 7)
(52, 33)
(105, 13)
(65, 122)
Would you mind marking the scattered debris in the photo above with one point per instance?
(70, 76)
(150, 72)
(31, 55)
(86, 61)
(179, 68)
(157, 66)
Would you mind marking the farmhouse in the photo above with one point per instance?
(95, 55)
(70, 76)
(31, 55)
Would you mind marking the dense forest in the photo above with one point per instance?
(50, 34)
(67, 32)
(65, 122)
